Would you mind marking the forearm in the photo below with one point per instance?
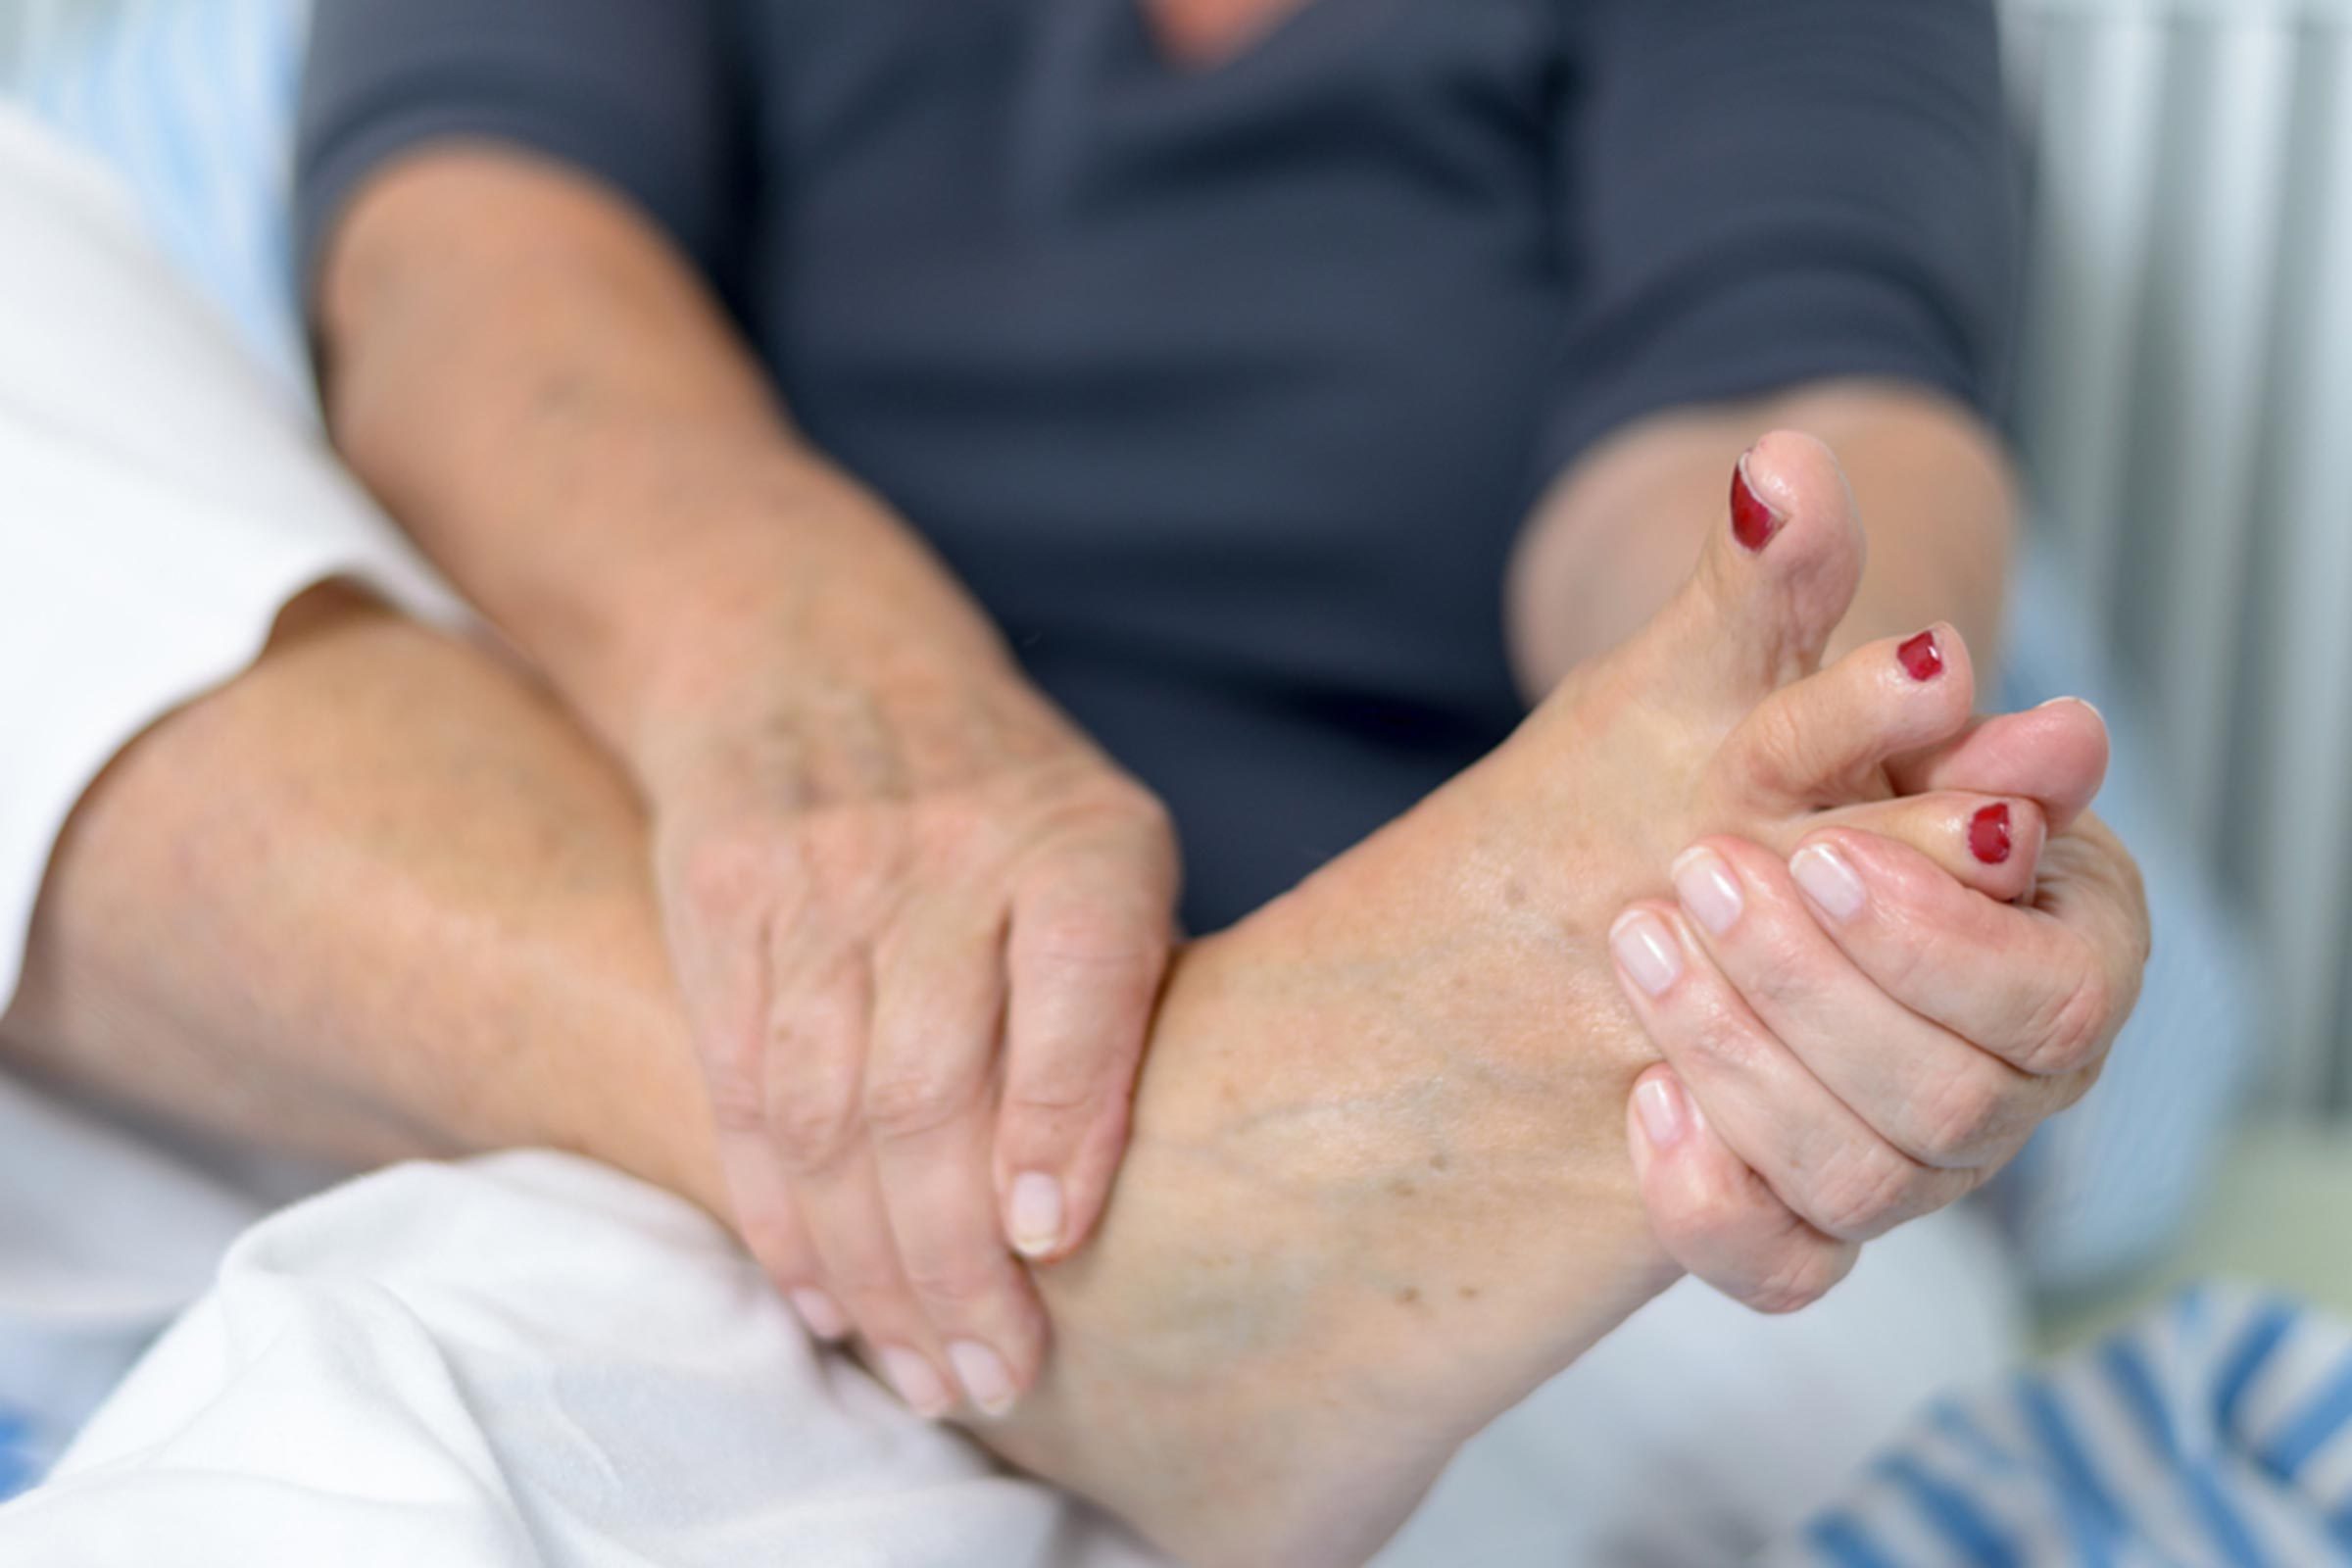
(1617, 532)
(374, 899)
(545, 397)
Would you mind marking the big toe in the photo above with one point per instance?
(1773, 583)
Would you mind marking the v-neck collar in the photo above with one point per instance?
(1261, 37)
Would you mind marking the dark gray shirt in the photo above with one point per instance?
(1227, 389)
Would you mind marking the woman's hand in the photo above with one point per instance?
(920, 926)
(1860, 1034)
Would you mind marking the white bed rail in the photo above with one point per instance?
(2185, 411)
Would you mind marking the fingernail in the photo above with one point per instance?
(1035, 1214)
(2079, 702)
(916, 1383)
(982, 1372)
(1708, 890)
(1921, 659)
(1828, 880)
(1664, 1112)
(820, 1312)
(1646, 951)
(1988, 834)
(1753, 524)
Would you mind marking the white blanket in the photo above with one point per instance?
(534, 1362)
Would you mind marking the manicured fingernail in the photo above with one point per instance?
(1664, 1111)
(1753, 524)
(1921, 659)
(820, 1312)
(982, 1372)
(1828, 880)
(1646, 950)
(1988, 834)
(1708, 890)
(1035, 1214)
(916, 1383)
(2079, 702)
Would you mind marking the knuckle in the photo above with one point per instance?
(736, 1104)
(1721, 1043)
(2071, 1033)
(872, 1288)
(953, 819)
(952, 1287)
(844, 842)
(1058, 1087)
(915, 1101)
(1964, 1118)
(1800, 1275)
(810, 1132)
(1864, 1194)
(1782, 972)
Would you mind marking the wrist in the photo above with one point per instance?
(798, 603)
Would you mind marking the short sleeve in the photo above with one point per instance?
(1759, 193)
(640, 94)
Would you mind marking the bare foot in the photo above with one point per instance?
(1378, 1188)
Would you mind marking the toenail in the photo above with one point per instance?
(1988, 834)
(1753, 524)
(1828, 880)
(1922, 660)
(1664, 1111)
(916, 1383)
(820, 1312)
(1708, 890)
(1646, 951)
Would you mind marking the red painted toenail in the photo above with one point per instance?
(1921, 658)
(1988, 834)
(1753, 524)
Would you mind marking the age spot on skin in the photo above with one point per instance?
(1408, 1296)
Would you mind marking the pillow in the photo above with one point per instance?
(192, 102)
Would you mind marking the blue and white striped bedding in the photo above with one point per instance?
(2218, 1430)
(192, 102)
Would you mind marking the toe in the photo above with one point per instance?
(2055, 753)
(1827, 740)
(1773, 583)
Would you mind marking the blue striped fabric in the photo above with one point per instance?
(192, 102)
(2217, 1432)
(16, 1468)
